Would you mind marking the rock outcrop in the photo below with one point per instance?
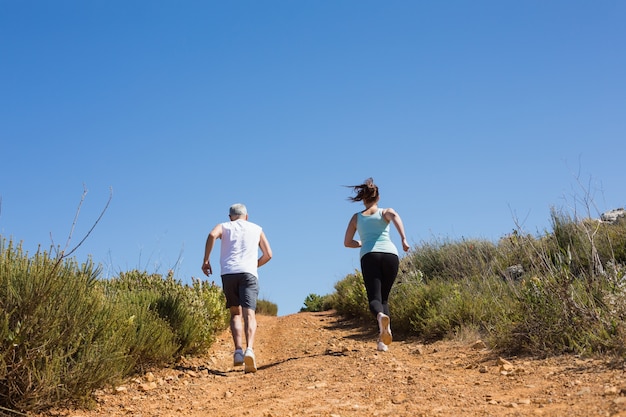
(612, 216)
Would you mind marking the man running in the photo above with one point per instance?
(239, 261)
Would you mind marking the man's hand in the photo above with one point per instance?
(206, 268)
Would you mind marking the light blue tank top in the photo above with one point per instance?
(374, 233)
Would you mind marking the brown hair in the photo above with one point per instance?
(367, 192)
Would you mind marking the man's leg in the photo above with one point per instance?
(236, 327)
(249, 318)
(248, 293)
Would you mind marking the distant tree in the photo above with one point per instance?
(315, 303)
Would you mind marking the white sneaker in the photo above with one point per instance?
(382, 347)
(249, 361)
(385, 328)
(238, 357)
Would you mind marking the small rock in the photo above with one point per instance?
(419, 350)
(478, 345)
(502, 361)
(398, 399)
(507, 367)
(147, 386)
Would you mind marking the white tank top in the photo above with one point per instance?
(240, 247)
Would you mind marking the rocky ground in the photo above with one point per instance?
(316, 364)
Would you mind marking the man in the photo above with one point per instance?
(239, 262)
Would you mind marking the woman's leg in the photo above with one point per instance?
(389, 267)
(379, 273)
(372, 279)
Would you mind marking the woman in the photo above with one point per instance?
(379, 256)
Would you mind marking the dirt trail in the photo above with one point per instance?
(316, 364)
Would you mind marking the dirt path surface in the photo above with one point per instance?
(316, 364)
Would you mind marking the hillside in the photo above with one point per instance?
(316, 364)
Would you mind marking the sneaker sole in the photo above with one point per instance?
(385, 336)
(249, 364)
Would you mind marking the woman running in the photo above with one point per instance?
(379, 256)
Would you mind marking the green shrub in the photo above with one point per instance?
(610, 240)
(208, 300)
(186, 317)
(263, 307)
(562, 312)
(316, 303)
(515, 250)
(426, 317)
(59, 338)
(573, 299)
(350, 297)
(453, 260)
(65, 333)
(404, 300)
(266, 308)
(152, 341)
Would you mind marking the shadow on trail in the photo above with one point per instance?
(201, 368)
(273, 364)
(359, 329)
(239, 370)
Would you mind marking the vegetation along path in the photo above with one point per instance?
(318, 364)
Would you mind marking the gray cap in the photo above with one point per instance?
(237, 210)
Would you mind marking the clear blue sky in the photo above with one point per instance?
(471, 116)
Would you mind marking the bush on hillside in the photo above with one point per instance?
(316, 303)
(350, 297)
(266, 308)
(65, 333)
(451, 260)
(59, 337)
(181, 319)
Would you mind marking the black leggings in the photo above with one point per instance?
(379, 272)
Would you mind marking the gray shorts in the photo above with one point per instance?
(240, 290)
